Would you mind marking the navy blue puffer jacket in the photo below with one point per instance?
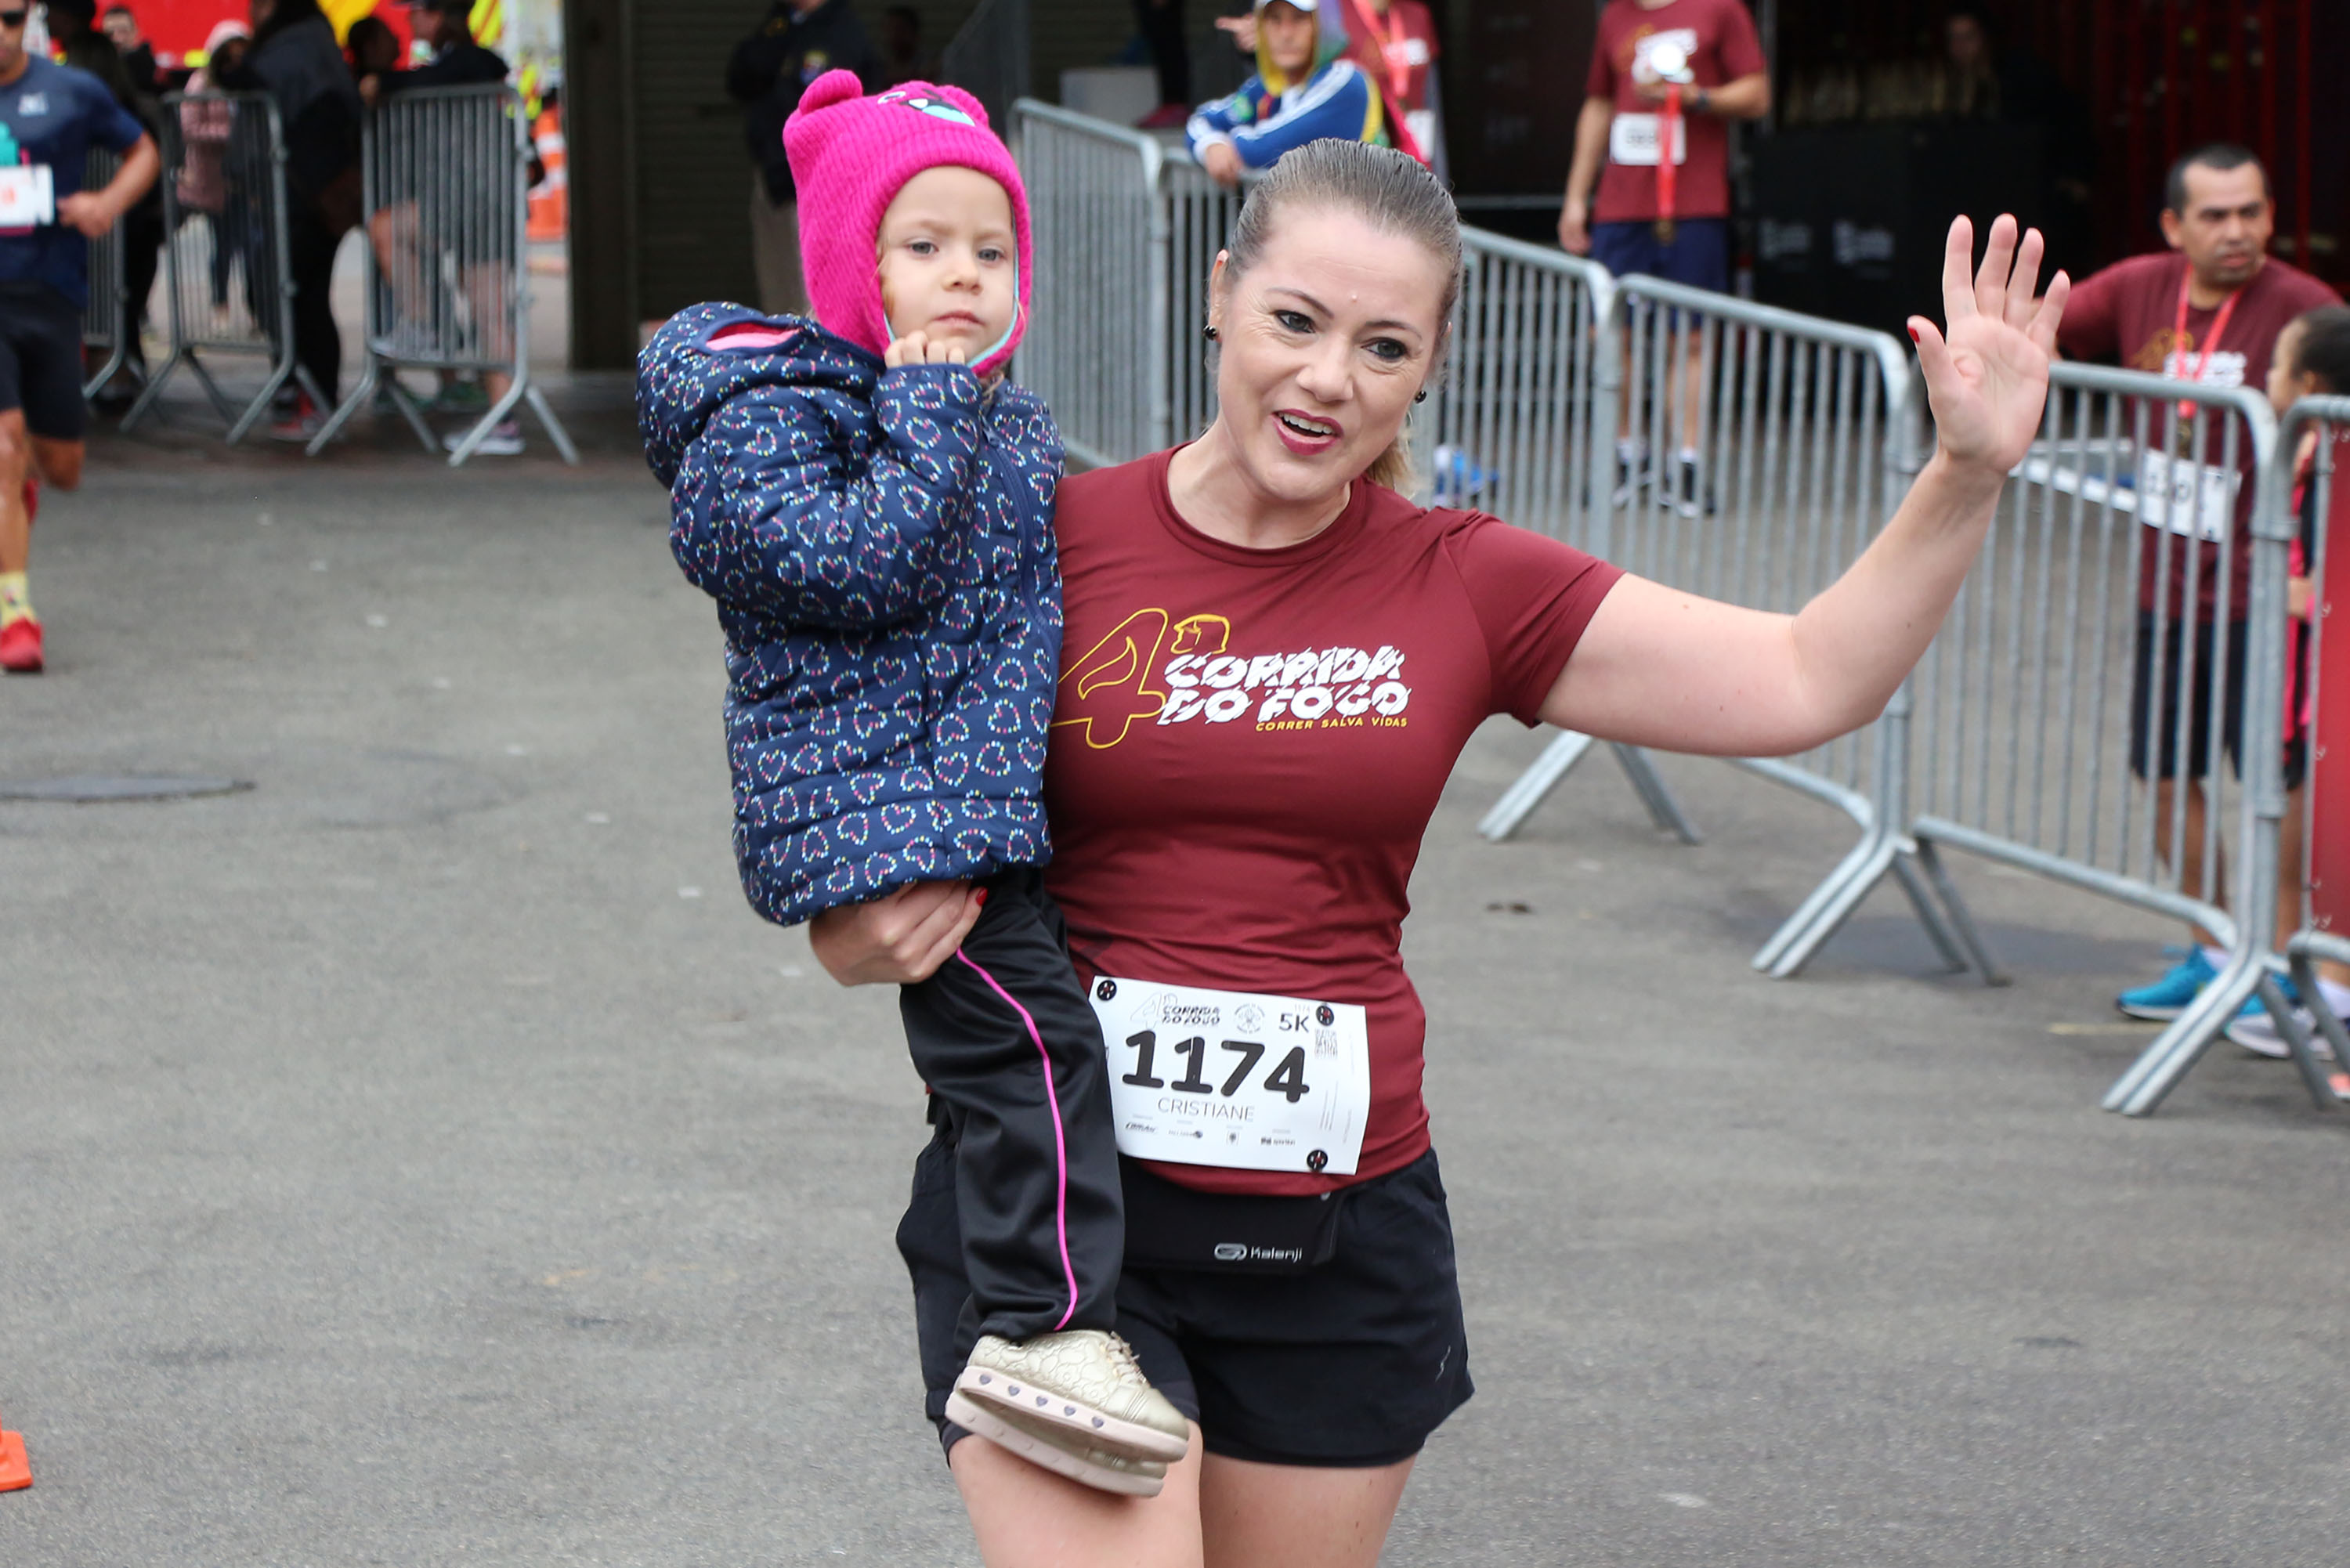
(880, 547)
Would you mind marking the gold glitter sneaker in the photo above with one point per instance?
(1082, 1379)
(1058, 1449)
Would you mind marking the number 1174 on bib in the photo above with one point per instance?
(1238, 1079)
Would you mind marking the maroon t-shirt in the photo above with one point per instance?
(1249, 744)
(1403, 43)
(2128, 314)
(1719, 38)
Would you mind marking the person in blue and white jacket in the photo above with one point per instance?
(1305, 90)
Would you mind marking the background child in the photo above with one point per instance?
(2312, 359)
(871, 506)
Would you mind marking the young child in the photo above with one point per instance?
(2312, 359)
(871, 506)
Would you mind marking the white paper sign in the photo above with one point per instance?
(1632, 138)
(1235, 1079)
(27, 198)
(2194, 499)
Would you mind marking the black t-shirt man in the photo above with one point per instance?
(463, 64)
(771, 68)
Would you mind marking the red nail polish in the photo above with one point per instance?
(1913, 335)
(983, 897)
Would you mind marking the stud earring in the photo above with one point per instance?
(1208, 332)
(1420, 396)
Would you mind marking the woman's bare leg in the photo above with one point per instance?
(1215, 1514)
(1029, 1518)
(1293, 1516)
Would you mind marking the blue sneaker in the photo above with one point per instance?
(2166, 998)
(2255, 1008)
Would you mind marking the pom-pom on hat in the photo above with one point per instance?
(850, 156)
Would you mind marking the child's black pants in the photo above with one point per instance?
(1006, 1041)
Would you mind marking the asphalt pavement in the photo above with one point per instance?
(423, 1155)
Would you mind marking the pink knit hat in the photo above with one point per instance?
(850, 156)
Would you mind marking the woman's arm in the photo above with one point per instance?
(1661, 668)
(899, 938)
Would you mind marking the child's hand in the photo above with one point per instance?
(915, 348)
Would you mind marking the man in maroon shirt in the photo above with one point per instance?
(1395, 42)
(2207, 310)
(1696, 66)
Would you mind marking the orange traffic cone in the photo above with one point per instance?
(16, 1470)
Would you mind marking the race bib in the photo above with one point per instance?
(1632, 138)
(1408, 53)
(27, 198)
(1235, 1079)
(2194, 499)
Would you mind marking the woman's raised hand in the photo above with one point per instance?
(1987, 381)
(901, 938)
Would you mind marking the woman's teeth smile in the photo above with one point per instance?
(1309, 428)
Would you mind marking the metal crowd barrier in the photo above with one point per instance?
(447, 203)
(1518, 416)
(108, 322)
(2316, 939)
(1100, 235)
(2042, 716)
(1800, 440)
(208, 253)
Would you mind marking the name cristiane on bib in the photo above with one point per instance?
(1153, 669)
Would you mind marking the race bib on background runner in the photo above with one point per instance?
(1235, 1079)
(1633, 138)
(2194, 499)
(27, 196)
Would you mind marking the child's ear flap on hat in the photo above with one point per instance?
(833, 87)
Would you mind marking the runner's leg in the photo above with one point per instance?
(1215, 1512)
(317, 341)
(1024, 1517)
(16, 467)
(42, 418)
(1296, 1515)
(59, 463)
(490, 287)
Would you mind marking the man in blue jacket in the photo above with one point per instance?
(1305, 90)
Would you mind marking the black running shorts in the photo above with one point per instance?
(40, 361)
(2177, 701)
(1350, 1364)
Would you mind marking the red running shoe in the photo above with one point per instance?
(20, 647)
